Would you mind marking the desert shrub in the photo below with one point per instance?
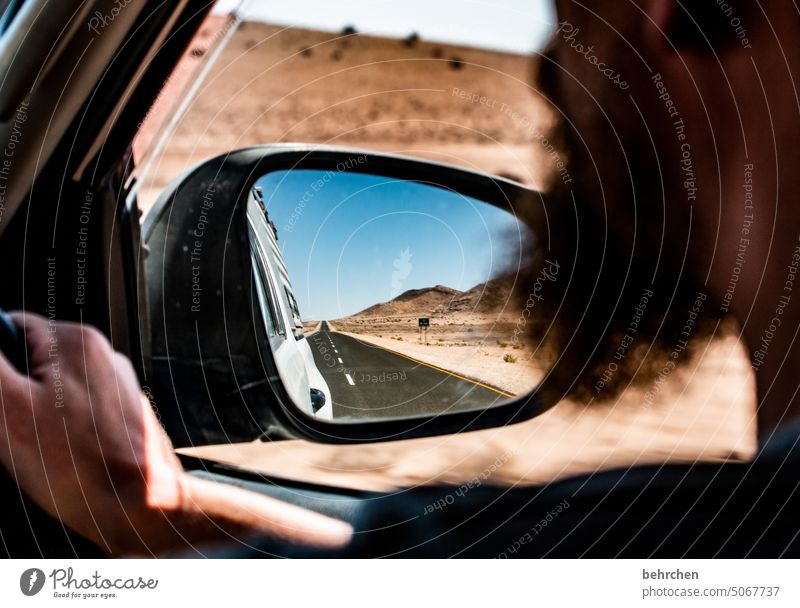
(509, 358)
(305, 52)
(411, 40)
(456, 63)
(349, 30)
(502, 344)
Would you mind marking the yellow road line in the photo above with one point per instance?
(438, 369)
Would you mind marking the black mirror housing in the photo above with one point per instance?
(213, 378)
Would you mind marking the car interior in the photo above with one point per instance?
(234, 342)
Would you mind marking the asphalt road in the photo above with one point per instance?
(368, 381)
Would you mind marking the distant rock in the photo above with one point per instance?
(492, 297)
(413, 302)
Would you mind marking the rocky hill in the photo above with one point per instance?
(465, 106)
(491, 297)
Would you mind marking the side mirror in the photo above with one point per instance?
(339, 296)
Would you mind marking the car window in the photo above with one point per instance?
(265, 299)
(292, 304)
(264, 283)
(247, 80)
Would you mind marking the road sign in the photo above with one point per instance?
(424, 324)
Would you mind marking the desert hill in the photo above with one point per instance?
(491, 297)
(413, 302)
(466, 106)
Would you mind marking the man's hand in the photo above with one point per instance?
(83, 442)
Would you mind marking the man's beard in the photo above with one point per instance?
(627, 305)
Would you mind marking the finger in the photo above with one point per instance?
(39, 335)
(231, 511)
(11, 377)
(48, 339)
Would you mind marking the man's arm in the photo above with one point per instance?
(82, 441)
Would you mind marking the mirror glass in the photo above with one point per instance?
(384, 298)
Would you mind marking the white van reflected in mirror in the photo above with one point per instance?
(301, 378)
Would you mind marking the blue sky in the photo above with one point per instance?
(355, 240)
(510, 25)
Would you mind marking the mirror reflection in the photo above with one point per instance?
(384, 298)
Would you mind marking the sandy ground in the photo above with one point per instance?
(471, 348)
(273, 85)
(479, 333)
